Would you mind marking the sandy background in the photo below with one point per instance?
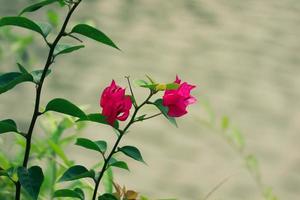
(242, 55)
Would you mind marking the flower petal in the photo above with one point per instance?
(178, 99)
(115, 105)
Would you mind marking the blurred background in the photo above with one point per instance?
(242, 55)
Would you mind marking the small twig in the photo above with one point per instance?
(113, 151)
(150, 103)
(131, 91)
(217, 187)
(47, 42)
(39, 87)
(145, 118)
(103, 156)
(74, 37)
(14, 182)
(40, 113)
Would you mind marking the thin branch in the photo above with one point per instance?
(103, 156)
(145, 118)
(39, 87)
(131, 91)
(157, 114)
(74, 37)
(217, 187)
(47, 42)
(113, 151)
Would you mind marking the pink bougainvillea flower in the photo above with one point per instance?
(177, 100)
(115, 104)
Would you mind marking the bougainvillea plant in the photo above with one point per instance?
(119, 110)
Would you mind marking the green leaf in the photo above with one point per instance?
(37, 6)
(59, 127)
(158, 103)
(141, 83)
(172, 86)
(145, 84)
(145, 198)
(64, 49)
(150, 79)
(236, 137)
(22, 68)
(116, 163)
(225, 123)
(269, 195)
(68, 193)
(65, 107)
(107, 180)
(31, 180)
(93, 33)
(60, 152)
(11, 173)
(11, 79)
(156, 86)
(4, 161)
(37, 74)
(80, 192)
(21, 22)
(3, 172)
(99, 146)
(252, 164)
(107, 196)
(46, 28)
(132, 152)
(53, 18)
(8, 125)
(62, 3)
(77, 172)
(140, 118)
(97, 117)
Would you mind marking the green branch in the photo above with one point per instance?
(113, 151)
(36, 112)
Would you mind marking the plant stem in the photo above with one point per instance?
(54, 171)
(39, 87)
(145, 118)
(131, 91)
(74, 37)
(122, 132)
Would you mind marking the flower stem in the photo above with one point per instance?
(113, 151)
(39, 87)
(131, 91)
(145, 118)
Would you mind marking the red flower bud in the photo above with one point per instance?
(177, 100)
(115, 104)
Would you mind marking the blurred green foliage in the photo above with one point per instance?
(234, 137)
(49, 150)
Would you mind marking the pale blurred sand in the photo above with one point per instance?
(242, 55)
